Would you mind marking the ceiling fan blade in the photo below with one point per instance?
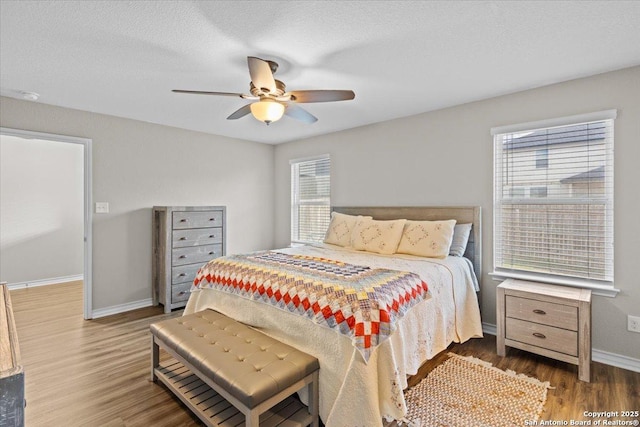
(261, 74)
(299, 113)
(240, 112)
(321, 95)
(201, 92)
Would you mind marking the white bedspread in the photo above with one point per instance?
(352, 392)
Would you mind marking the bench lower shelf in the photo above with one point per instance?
(214, 410)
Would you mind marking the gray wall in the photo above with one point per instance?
(445, 158)
(41, 205)
(137, 165)
(438, 158)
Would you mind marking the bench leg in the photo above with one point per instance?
(252, 419)
(155, 358)
(314, 401)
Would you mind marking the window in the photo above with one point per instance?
(538, 192)
(561, 230)
(310, 199)
(542, 158)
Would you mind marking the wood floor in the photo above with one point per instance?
(96, 372)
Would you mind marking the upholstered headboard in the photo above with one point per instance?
(462, 214)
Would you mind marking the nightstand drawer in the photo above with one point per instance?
(546, 313)
(196, 237)
(556, 339)
(197, 219)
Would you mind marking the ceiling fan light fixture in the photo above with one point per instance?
(273, 100)
(267, 110)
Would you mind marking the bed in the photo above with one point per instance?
(372, 381)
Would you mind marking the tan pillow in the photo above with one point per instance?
(377, 236)
(340, 229)
(427, 238)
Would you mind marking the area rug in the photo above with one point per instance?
(465, 391)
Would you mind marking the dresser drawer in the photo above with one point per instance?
(195, 254)
(201, 219)
(184, 273)
(180, 292)
(196, 237)
(546, 313)
(556, 339)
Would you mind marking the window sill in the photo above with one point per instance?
(596, 289)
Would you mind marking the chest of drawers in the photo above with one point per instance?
(550, 320)
(184, 239)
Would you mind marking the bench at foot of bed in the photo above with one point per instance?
(227, 372)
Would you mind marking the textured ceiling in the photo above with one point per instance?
(401, 58)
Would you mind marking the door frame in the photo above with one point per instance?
(88, 212)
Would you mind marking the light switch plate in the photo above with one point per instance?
(102, 207)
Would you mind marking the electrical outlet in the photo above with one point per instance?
(633, 323)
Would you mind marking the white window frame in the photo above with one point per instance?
(604, 287)
(295, 196)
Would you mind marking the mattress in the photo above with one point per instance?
(347, 380)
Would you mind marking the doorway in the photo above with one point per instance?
(46, 225)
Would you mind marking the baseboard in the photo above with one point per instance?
(601, 356)
(488, 328)
(44, 282)
(618, 360)
(116, 309)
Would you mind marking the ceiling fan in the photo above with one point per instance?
(271, 98)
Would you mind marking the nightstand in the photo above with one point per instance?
(550, 320)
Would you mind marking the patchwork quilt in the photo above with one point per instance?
(360, 302)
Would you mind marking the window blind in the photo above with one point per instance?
(553, 201)
(310, 199)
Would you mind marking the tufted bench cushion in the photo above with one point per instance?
(247, 364)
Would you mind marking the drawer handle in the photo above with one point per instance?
(211, 253)
(182, 256)
(211, 236)
(181, 293)
(183, 238)
(181, 275)
(538, 335)
(183, 220)
(538, 311)
(212, 219)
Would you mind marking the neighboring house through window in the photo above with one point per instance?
(310, 199)
(553, 200)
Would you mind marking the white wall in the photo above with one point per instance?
(137, 165)
(41, 209)
(445, 158)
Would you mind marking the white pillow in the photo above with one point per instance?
(460, 239)
(427, 238)
(340, 229)
(377, 236)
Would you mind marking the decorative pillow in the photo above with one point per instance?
(460, 239)
(427, 238)
(377, 236)
(340, 229)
